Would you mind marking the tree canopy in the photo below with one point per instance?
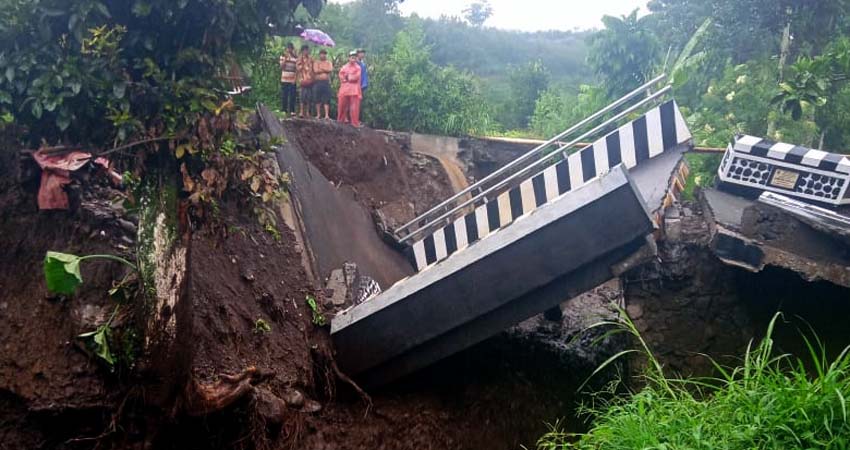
(94, 72)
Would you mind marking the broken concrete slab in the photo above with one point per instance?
(753, 235)
(821, 219)
(566, 247)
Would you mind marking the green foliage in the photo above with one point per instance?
(703, 171)
(318, 318)
(527, 82)
(815, 83)
(409, 92)
(263, 70)
(769, 402)
(625, 52)
(740, 102)
(807, 86)
(62, 270)
(62, 273)
(477, 12)
(100, 72)
(555, 111)
(262, 327)
(99, 339)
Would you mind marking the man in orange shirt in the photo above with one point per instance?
(305, 77)
(322, 84)
(350, 93)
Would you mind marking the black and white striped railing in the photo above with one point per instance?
(661, 128)
(789, 169)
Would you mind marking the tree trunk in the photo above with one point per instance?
(784, 50)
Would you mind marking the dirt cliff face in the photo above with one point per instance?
(378, 167)
(251, 369)
(251, 366)
(690, 306)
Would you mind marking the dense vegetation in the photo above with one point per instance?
(769, 402)
(98, 73)
(473, 79)
(764, 67)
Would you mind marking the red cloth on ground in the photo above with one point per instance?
(55, 174)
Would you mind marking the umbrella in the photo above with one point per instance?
(318, 37)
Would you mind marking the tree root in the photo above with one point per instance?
(346, 379)
(200, 399)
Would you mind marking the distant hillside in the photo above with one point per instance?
(488, 51)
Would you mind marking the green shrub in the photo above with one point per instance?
(409, 92)
(101, 72)
(769, 402)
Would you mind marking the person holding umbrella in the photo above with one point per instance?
(350, 92)
(288, 74)
(322, 70)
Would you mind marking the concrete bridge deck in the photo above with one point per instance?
(548, 237)
(560, 250)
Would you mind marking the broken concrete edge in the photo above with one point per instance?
(739, 251)
(290, 208)
(292, 212)
(646, 253)
(734, 248)
(677, 183)
(821, 219)
(525, 225)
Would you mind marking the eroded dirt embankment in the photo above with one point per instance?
(220, 366)
(250, 367)
(47, 381)
(253, 370)
(379, 168)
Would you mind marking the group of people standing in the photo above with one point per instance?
(313, 77)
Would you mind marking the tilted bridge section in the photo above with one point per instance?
(546, 227)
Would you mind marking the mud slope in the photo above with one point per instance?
(50, 390)
(384, 175)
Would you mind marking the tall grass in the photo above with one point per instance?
(770, 401)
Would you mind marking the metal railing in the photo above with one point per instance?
(503, 178)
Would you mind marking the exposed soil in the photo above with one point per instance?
(244, 388)
(44, 370)
(259, 374)
(497, 395)
(242, 279)
(383, 174)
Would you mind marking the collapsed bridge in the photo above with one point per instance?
(550, 225)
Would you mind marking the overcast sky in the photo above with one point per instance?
(530, 15)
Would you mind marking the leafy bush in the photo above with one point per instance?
(769, 402)
(98, 72)
(555, 112)
(409, 92)
(740, 102)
